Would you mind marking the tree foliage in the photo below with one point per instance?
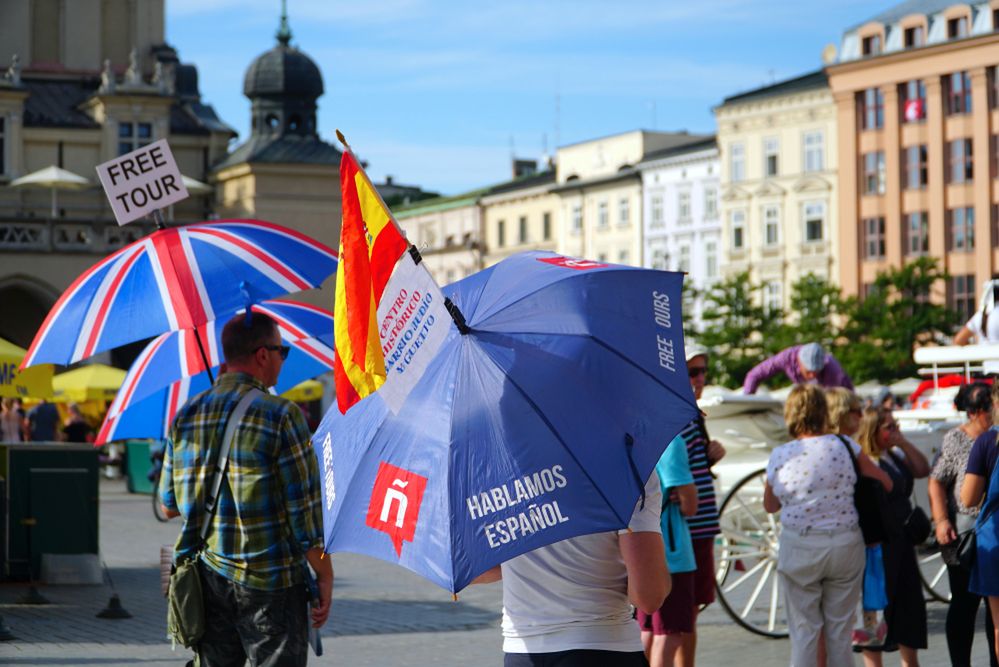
(883, 329)
(873, 337)
(734, 328)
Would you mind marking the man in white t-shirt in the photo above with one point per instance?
(569, 604)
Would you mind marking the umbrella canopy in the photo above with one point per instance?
(54, 178)
(541, 423)
(92, 382)
(175, 354)
(303, 392)
(151, 417)
(177, 278)
(196, 187)
(35, 382)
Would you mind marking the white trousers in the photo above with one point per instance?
(822, 573)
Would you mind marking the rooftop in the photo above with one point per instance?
(438, 204)
(282, 149)
(692, 147)
(907, 8)
(810, 81)
(546, 177)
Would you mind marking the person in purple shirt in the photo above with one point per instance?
(802, 364)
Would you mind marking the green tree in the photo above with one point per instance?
(734, 328)
(896, 315)
(816, 306)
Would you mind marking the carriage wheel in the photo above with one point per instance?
(933, 572)
(746, 576)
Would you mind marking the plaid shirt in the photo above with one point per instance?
(270, 494)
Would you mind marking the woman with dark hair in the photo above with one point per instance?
(905, 615)
(951, 517)
(982, 327)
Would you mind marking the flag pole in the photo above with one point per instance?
(452, 309)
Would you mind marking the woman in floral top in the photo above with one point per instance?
(951, 517)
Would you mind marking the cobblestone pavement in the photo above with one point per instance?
(382, 614)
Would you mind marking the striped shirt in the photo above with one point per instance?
(704, 524)
(269, 508)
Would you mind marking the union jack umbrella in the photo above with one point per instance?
(177, 278)
(169, 370)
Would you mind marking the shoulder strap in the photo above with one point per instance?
(849, 452)
(211, 502)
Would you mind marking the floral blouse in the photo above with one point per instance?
(949, 469)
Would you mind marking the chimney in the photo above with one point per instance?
(524, 167)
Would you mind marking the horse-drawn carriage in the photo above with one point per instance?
(750, 426)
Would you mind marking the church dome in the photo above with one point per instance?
(283, 71)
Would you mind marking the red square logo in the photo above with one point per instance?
(572, 263)
(395, 503)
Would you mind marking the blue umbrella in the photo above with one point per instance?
(539, 423)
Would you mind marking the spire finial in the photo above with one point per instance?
(284, 30)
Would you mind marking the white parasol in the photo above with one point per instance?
(54, 178)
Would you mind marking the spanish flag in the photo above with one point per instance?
(390, 316)
(371, 245)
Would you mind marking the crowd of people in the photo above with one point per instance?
(822, 564)
(629, 597)
(42, 423)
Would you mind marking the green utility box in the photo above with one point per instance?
(52, 503)
(137, 465)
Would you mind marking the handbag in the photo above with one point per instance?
(917, 526)
(868, 498)
(185, 599)
(967, 547)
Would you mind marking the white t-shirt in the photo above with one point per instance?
(574, 594)
(975, 326)
(814, 478)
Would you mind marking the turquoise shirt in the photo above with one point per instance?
(674, 470)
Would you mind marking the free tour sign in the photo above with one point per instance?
(145, 180)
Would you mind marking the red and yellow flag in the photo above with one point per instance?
(370, 247)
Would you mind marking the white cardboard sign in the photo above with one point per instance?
(142, 181)
(413, 323)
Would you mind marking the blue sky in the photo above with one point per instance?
(434, 92)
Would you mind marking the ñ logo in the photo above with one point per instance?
(395, 503)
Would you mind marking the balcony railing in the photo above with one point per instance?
(67, 235)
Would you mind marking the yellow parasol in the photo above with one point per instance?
(93, 382)
(303, 392)
(35, 382)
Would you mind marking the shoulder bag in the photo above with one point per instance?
(185, 600)
(869, 498)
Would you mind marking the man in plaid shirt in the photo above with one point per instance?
(268, 520)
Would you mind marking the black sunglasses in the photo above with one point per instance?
(283, 349)
(694, 371)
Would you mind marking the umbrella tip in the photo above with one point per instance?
(454, 597)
